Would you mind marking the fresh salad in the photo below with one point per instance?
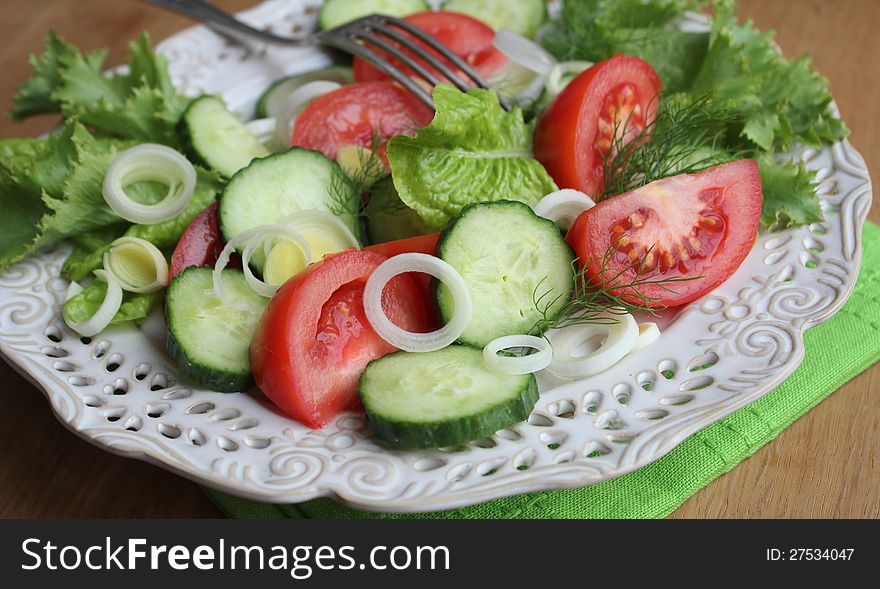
(349, 247)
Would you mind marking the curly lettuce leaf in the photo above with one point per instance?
(88, 251)
(140, 104)
(34, 189)
(51, 189)
(776, 101)
(595, 30)
(790, 198)
(89, 247)
(473, 151)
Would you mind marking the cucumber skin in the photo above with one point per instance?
(186, 140)
(446, 314)
(210, 378)
(205, 376)
(419, 436)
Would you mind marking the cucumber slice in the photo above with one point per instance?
(272, 99)
(215, 137)
(274, 187)
(520, 16)
(442, 398)
(508, 256)
(338, 12)
(388, 218)
(209, 337)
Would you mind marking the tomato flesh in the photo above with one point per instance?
(422, 244)
(466, 36)
(698, 227)
(314, 340)
(201, 243)
(359, 114)
(608, 105)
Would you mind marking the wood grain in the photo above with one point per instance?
(825, 465)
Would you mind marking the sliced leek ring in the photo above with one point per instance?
(137, 264)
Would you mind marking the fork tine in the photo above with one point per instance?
(407, 60)
(427, 57)
(346, 44)
(437, 46)
(440, 48)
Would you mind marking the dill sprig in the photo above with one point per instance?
(685, 136)
(370, 169)
(595, 296)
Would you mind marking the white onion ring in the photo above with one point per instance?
(518, 364)
(251, 239)
(302, 220)
(407, 340)
(105, 313)
(524, 51)
(117, 262)
(648, 334)
(73, 289)
(298, 100)
(563, 207)
(149, 162)
(620, 338)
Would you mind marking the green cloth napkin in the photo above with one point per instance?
(836, 351)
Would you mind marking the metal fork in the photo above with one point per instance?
(357, 37)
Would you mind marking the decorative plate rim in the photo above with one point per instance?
(302, 464)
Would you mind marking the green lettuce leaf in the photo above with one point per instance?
(140, 104)
(42, 191)
(34, 97)
(776, 101)
(51, 189)
(790, 197)
(473, 151)
(89, 247)
(595, 30)
(88, 251)
(135, 307)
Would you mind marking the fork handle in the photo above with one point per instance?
(207, 13)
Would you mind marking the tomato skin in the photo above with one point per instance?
(424, 244)
(568, 132)
(467, 37)
(314, 341)
(200, 244)
(351, 115)
(729, 196)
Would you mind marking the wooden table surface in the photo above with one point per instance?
(825, 465)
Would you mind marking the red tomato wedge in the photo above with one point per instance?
(314, 341)
(614, 99)
(696, 226)
(423, 244)
(200, 244)
(466, 36)
(353, 114)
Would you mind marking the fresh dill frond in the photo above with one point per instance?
(685, 136)
(595, 296)
(358, 179)
(344, 199)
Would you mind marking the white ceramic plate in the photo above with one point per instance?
(120, 390)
